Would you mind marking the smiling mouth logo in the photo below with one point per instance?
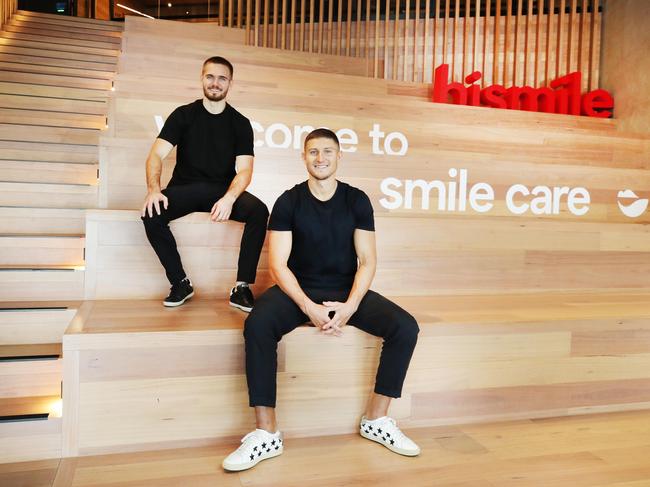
(635, 208)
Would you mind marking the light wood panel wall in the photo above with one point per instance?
(152, 378)
(625, 66)
(516, 42)
(438, 250)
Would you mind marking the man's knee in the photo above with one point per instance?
(153, 222)
(256, 328)
(407, 329)
(261, 211)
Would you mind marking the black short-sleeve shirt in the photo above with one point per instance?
(207, 144)
(322, 252)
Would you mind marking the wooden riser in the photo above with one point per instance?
(55, 70)
(48, 152)
(56, 93)
(475, 360)
(59, 50)
(58, 221)
(69, 21)
(34, 285)
(30, 378)
(55, 42)
(30, 440)
(36, 195)
(63, 29)
(91, 67)
(54, 105)
(55, 55)
(33, 325)
(54, 80)
(53, 119)
(48, 172)
(28, 133)
(41, 250)
(67, 34)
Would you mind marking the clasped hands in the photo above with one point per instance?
(331, 316)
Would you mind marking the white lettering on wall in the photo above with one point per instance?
(456, 194)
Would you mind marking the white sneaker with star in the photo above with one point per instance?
(385, 431)
(256, 446)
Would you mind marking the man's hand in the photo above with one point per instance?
(317, 313)
(222, 208)
(152, 201)
(342, 313)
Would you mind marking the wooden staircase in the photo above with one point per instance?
(55, 77)
(56, 73)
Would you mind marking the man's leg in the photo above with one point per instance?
(383, 318)
(274, 316)
(183, 200)
(249, 210)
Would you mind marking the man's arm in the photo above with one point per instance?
(159, 150)
(223, 207)
(366, 248)
(279, 251)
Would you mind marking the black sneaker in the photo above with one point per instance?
(179, 293)
(241, 297)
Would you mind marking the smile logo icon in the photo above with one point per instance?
(635, 208)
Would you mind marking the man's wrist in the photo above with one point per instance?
(230, 198)
(354, 301)
(306, 303)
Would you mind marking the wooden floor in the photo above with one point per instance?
(591, 450)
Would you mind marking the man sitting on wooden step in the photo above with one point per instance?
(322, 255)
(214, 166)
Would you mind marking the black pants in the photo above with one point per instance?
(275, 314)
(188, 198)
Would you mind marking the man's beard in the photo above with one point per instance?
(212, 97)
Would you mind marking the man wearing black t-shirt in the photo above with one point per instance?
(214, 166)
(323, 258)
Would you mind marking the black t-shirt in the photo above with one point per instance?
(322, 252)
(207, 143)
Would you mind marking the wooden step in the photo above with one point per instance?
(52, 119)
(91, 67)
(41, 351)
(48, 105)
(48, 172)
(30, 440)
(56, 135)
(28, 28)
(59, 49)
(37, 322)
(23, 67)
(30, 370)
(67, 250)
(56, 41)
(55, 55)
(69, 20)
(78, 94)
(44, 283)
(56, 80)
(48, 152)
(15, 408)
(33, 24)
(36, 195)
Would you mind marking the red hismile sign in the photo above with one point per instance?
(563, 96)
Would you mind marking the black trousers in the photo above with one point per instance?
(188, 198)
(275, 314)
